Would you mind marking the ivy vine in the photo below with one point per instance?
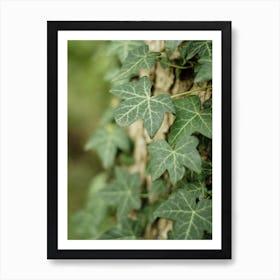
(154, 145)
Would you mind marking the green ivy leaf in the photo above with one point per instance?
(164, 61)
(106, 141)
(94, 204)
(191, 218)
(198, 188)
(127, 230)
(92, 221)
(138, 103)
(192, 48)
(123, 192)
(122, 48)
(189, 119)
(203, 70)
(139, 58)
(206, 170)
(110, 75)
(171, 45)
(163, 157)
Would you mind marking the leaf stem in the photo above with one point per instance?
(177, 66)
(189, 92)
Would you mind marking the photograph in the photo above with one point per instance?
(140, 139)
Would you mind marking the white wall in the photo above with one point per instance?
(255, 139)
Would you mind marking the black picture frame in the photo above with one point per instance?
(52, 102)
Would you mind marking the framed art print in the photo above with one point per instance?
(139, 140)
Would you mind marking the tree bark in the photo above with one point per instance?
(165, 81)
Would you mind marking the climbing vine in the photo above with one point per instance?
(154, 143)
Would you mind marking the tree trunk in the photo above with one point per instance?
(164, 81)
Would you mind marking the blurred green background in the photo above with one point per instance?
(88, 98)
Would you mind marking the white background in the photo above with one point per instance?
(255, 139)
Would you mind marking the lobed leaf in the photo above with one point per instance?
(164, 157)
(92, 220)
(192, 48)
(139, 104)
(206, 170)
(139, 58)
(171, 46)
(191, 218)
(106, 141)
(203, 70)
(122, 48)
(127, 230)
(189, 119)
(123, 192)
(198, 188)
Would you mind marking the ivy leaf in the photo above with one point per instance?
(123, 192)
(192, 48)
(163, 157)
(106, 141)
(122, 48)
(139, 58)
(127, 230)
(198, 188)
(164, 61)
(189, 119)
(191, 218)
(84, 225)
(203, 70)
(111, 74)
(138, 103)
(203, 49)
(206, 170)
(94, 204)
(171, 45)
(92, 221)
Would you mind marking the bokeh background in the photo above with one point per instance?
(88, 97)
